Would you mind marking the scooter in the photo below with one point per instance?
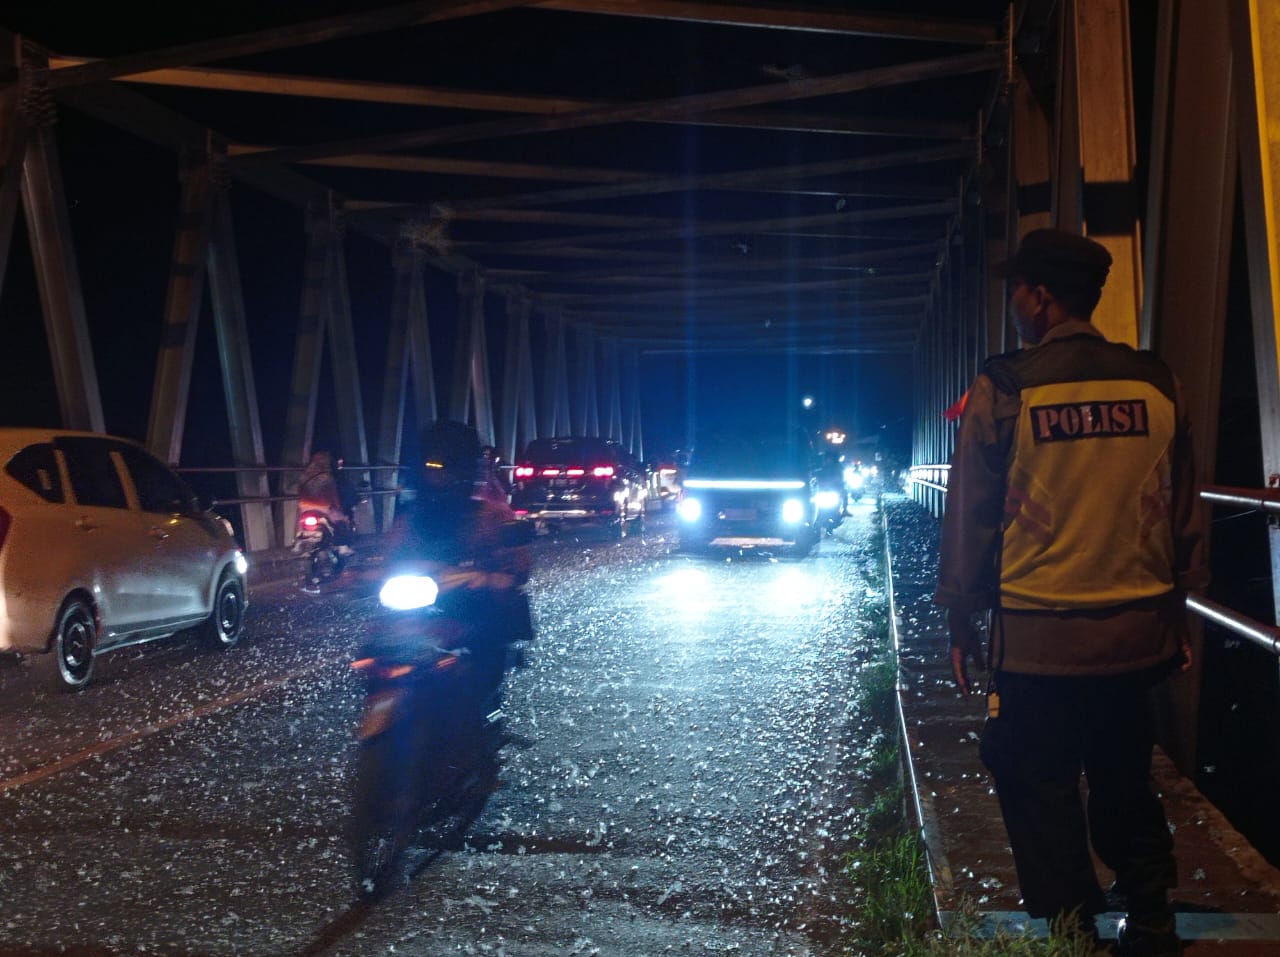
(432, 724)
(315, 538)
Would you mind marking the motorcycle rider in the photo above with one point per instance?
(452, 523)
(318, 491)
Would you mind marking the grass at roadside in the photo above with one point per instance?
(893, 898)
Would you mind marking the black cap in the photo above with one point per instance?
(1061, 261)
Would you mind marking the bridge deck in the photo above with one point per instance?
(1228, 897)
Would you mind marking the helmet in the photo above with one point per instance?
(450, 447)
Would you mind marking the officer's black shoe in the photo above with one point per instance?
(1149, 937)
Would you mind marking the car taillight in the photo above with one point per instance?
(603, 471)
(550, 473)
(524, 471)
(575, 473)
(5, 521)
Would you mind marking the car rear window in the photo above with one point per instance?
(37, 469)
(585, 453)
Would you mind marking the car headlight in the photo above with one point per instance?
(793, 511)
(827, 499)
(241, 563)
(407, 592)
(689, 509)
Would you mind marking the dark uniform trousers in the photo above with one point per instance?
(1049, 729)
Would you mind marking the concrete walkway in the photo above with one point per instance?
(1228, 898)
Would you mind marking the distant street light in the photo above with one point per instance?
(807, 402)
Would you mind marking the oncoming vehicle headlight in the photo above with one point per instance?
(793, 511)
(852, 477)
(406, 592)
(827, 499)
(689, 509)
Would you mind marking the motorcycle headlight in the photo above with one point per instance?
(689, 509)
(407, 592)
(827, 499)
(793, 511)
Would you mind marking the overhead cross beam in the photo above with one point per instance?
(844, 83)
(277, 38)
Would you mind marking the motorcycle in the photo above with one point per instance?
(432, 725)
(832, 506)
(315, 538)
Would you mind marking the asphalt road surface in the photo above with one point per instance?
(683, 779)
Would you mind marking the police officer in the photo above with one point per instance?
(1072, 515)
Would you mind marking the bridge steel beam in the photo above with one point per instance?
(183, 301)
(635, 439)
(1190, 220)
(57, 272)
(407, 267)
(1256, 35)
(556, 379)
(1097, 153)
(471, 397)
(13, 146)
(588, 421)
(308, 354)
(342, 356)
(237, 375)
(519, 422)
(613, 373)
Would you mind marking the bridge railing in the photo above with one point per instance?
(931, 482)
(282, 505)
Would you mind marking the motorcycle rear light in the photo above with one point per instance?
(603, 471)
(524, 471)
(550, 473)
(575, 473)
(310, 521)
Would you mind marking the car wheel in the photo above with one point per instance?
(226, 620)
(69, 664)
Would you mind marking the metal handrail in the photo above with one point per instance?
(1265, 636)
(1262, 500)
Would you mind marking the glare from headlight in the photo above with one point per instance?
(689, 509)
(827, 499)
(793, 511)
(241, 563)
(406, 592)
(853, 478)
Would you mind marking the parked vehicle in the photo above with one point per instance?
(577, 480)
(103, 546)
(749, 492)
(434, 667)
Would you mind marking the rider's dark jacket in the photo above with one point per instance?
(1072, 507)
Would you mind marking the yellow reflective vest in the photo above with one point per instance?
(1089, 491)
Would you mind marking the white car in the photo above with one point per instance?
(103, 546)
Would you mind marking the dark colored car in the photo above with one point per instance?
(749, 492)
(579, 480)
